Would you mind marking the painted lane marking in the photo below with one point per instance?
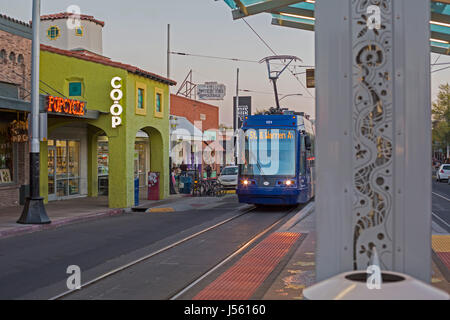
(436, 194)
(440, 219)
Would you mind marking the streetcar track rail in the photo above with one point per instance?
(441, 220)
(231, 256)
(151, 255)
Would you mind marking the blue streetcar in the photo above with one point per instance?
(276, 159)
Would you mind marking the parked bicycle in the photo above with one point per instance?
(207, 188)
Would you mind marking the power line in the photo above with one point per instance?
(440, 69)
(224, 58)
(273, 51)
(212, 57)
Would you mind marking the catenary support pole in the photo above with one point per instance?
(34, 210)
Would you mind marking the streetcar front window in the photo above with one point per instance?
(268, 152)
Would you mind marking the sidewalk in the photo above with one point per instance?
(59, 212)
(294, 266)
(66, 212)
(76, 210)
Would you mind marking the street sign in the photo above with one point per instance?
(211, 91)
(244, 109)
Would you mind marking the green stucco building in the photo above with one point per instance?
(108, 123)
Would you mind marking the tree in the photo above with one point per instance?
(441, 118)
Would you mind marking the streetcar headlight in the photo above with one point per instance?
(289, 183)
(245, 182)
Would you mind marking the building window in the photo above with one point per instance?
(20, 59)
(75, 89)
(6, 155)
(202, 117)
(3, 56)
(141, 99)
(12, 57)
(53, 33)
(79, 31)
(159, 103)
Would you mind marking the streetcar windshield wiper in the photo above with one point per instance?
(263, 175)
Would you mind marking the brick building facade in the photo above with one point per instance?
(195, 111)
(15, 88)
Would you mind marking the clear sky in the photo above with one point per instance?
(136, 33)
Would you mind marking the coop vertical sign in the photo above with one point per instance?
(116, 95)
(240, 112)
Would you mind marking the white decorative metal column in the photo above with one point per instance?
(373, 136)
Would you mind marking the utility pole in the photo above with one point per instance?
(237, 102)
(235, 121)
(168, 51)
(34, 210)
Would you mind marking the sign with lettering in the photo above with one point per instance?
(211, 91)
(268, 135)
(66, 106)
(243, 110)
(116, 95)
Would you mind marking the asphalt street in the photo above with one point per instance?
(33, 266)
(441, 204)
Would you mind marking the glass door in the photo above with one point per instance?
(51, 171)
(61, 169)
(74, 167)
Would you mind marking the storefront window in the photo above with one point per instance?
(63, 168)
(6, 156)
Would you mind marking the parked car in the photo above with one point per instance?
(443, 172)
(229, 177)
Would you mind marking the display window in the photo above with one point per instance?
(6, 155)
(63, 168)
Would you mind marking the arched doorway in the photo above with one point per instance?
(150, 157)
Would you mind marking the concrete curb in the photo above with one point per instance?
(20, 230)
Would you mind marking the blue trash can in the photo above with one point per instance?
(188, 185)
(136, 192)
(185, 184)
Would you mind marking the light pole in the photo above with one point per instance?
(34, 210)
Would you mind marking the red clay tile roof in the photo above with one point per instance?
(65, 15)
(14, 20)
(108, 62)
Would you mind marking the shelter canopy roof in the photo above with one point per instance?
(300, 15)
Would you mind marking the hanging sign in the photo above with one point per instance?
(18, 131)
(116, 95)
(66, 106)
(310, 78)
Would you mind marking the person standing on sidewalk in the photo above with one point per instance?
(208, 171)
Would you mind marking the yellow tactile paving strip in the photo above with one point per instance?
(154, 210)
(441, 243)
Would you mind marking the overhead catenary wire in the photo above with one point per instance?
(224, 58)
(273, 51)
